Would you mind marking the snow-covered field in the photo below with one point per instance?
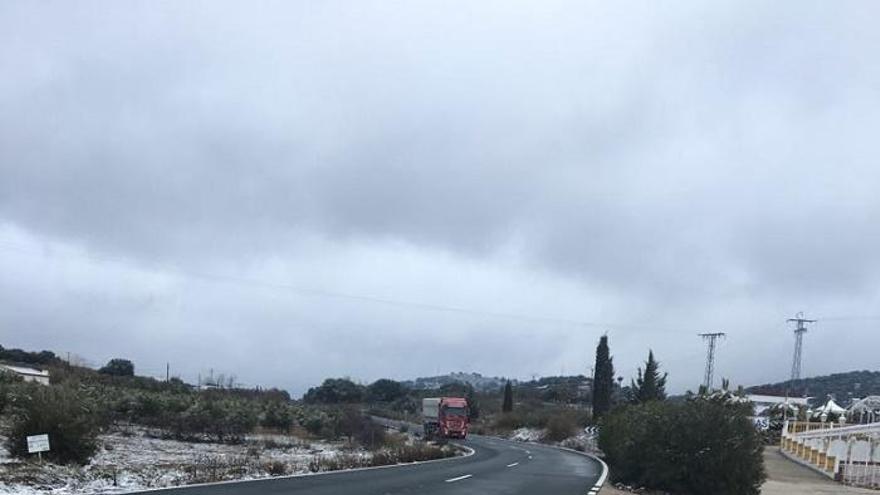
(130, 460)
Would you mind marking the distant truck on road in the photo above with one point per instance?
(445, 417)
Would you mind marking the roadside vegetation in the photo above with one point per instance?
(703, 443)
(706, 444)
(698, 444)
(102, 424)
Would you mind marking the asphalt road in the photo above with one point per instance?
(496, 467)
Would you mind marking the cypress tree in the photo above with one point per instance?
(507, 405)
(651, 385)
(603, 379)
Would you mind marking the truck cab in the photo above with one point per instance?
(445, 417)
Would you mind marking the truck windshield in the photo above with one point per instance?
(455, 411)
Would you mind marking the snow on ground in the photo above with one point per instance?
(527, 435)
(131, 460)
(583, 441)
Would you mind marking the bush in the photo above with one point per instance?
(64, 413)
(277, 414)
(566, 423)
(694, 447)
(20, 356)
(371, 434)
(314, 424)
(118, 367)
(277, 468)
(8, 381)
(510, 421)
(385, 390)
(560, 427)
(335, 391)
(223, 420)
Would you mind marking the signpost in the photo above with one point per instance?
(38, 444)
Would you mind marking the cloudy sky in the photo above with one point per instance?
(293, 190)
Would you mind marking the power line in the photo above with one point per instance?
(711, 339)
(850, 318)
(311, 292)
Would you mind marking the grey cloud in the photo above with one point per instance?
(652, 157)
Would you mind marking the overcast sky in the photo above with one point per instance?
(295, 190)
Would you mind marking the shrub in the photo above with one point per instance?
(210, 469)
(20, 356)
(276, 414)
(695, 447)
(224, 420)
(385, 390)
(314, 424)
(118, 367)
(371, 434)
(510, 421)
(335, 391)
(7, 383)
(560, 427)
(64, 413)
(277, 468)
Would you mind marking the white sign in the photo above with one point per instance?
(38, 443)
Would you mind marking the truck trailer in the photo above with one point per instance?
(445, 417)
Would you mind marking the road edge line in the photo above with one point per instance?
(602, 477)
(468, 452)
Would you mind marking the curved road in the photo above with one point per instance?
(496, 467)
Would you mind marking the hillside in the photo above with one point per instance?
(479, 382)
(841, 386)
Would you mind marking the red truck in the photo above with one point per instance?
(445, 417)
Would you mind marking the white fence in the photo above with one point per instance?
(850, 454)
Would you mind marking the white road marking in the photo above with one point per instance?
(530, 457)
(514, 464)
(451, 480)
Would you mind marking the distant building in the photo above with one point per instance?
(764, 402)
(28, 374)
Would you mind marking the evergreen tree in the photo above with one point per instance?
(118, 367)
(507, 405)
(650, 385)
(603, 379)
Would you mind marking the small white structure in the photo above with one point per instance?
(764, 402)
(828, 409)
(28, 374)
(865, 410)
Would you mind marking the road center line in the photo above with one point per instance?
(451, 480)
(514, 464)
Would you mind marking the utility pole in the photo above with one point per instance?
(711, 339)
(799, 331)
(167, 371)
